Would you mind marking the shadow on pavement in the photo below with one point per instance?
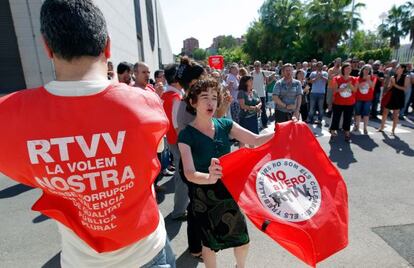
(168, 188)
(14, 190)
(186, 260)
(399, 145)
(364, 142)
(341, 153)
(172, 226)
(53, 262)
(40, 218)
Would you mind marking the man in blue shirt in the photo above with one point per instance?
(318, 79)
(287, 95)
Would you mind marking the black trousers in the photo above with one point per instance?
(282, 116)
(263, 115)
(337, 111)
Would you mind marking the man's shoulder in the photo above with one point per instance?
(20, 95)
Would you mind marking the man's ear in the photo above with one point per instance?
(48, 51)
(107, 49)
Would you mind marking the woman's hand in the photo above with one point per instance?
(215, 171)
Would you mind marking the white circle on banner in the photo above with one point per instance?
(288, 190)
(364, 88)
(347, 93)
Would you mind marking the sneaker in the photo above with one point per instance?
(366, 131)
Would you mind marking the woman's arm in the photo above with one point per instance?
(247, 137)
(198, 177)
(406, 84)
(391, 83)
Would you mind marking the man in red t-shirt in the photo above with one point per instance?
(90, 146)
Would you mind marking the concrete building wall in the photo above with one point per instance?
(37, 68)
(166, 54)
(120, 18)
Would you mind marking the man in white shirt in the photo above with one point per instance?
(259, 85)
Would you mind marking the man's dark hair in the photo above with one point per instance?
(74, 28)
(157, 73)
(124, 66)
(169, 73)
(202, 85)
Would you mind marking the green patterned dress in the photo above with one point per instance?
(221, 221)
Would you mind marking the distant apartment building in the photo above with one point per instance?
(189, 45)
(219, 39)
(136, 27)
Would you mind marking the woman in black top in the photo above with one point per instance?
(398, 85)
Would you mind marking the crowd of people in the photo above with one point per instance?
(206, 106)
(349, 92)
(192, 111)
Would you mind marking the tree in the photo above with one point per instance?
(409, 24)
(367, 40)
(395, 25)
(234, 54)
(227, 41)
(329, 21)
(274, 35)
(199, 54)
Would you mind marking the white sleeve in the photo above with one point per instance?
(176, 105)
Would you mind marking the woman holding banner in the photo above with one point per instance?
(201, 143)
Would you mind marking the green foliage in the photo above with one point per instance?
(293, 31)
(397, 24)
(227, 41)
(383, 54)
(199, 54)
(367, 40)
(235, 54)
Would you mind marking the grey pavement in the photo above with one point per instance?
(377, 168)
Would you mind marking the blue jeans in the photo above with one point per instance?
(316, 99)
(362, 108)
(164, 259)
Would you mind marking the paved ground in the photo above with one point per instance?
(378, 170)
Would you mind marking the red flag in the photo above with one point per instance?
(216, 62)
(290, 190)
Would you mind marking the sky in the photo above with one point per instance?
(206, 19)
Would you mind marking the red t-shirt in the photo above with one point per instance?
(94, 157)
(347, 97)
(365, 92)
(169, 98)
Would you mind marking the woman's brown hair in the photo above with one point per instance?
(202, 85)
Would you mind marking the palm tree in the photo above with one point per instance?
(395, 25)
(330, 20)
(409, 24)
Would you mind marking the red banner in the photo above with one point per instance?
(291, 191)
(216, 62)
